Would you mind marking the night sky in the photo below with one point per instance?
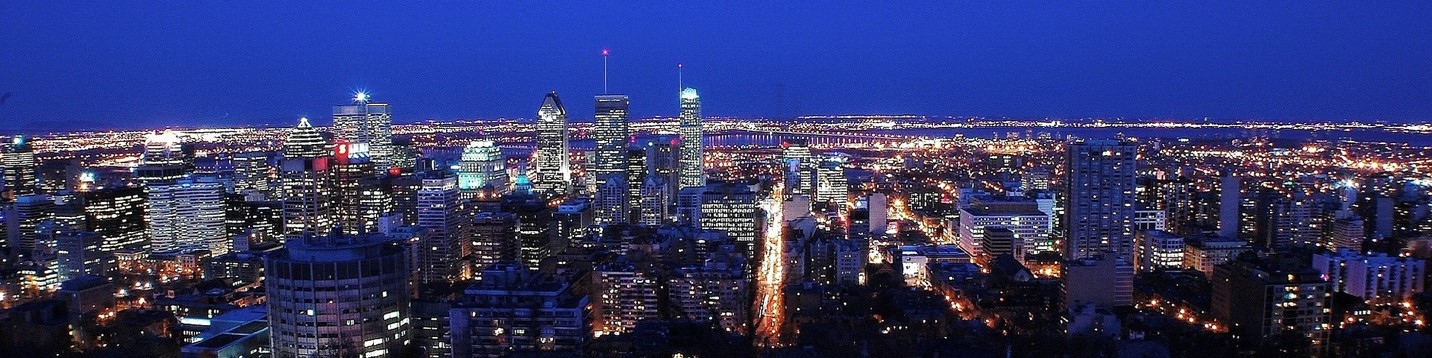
(82, 64)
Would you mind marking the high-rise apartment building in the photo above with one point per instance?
(1099, 189)
(440, 254)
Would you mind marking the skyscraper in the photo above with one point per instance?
(251, 174)
(610, 162)
(338, 296)
(357, 200)
(800, 168)
(23, 220)
(1099, 186)
(554, 172)
(18, 163)
(117, 215)
(494, 239)
(369, 123)
(483, 170)
(164, 159)
(692, 173)
(733, 208)
(187, 215)
(306, 183)
(441, 252)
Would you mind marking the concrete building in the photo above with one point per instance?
(338, 295)
(1374, 277)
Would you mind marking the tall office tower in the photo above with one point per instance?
(554, 164)
(514, 310)
(655, 200)
(18, 163)
(252, 174)
(572, 220)
(831, 185)
(164, 159)
(117, 215)
(358, 201)
(663, 159)
(306, 183)
(534, 232)
(1261, 300)
(1099, 187)
(610, 159)
(187, 215)
(368, 123)
(1298, 222)
(635, 177)
(494, 239)
(800, 168)
(482, 171)
(23, 219)
(622, 294)
(81, 253)
(338, 296)
(733, 208)
(693, 172)
(404, 191)
(440, 253)
(611, 201)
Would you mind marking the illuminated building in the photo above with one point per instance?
(553, 169)
(1205, 253)
(879, 213)
(693, 174)
(1029, 225)
(1099, 189)
(307, 190)
(24, 218)
(258, 221)
(831, 185)
(733, 208)
(483, 169)
(494, 239)
(1158, 250)
(18, 165)
(611, 195)
(440, 253)
(185, 216)
(513, 310)
(82, 253)
(365, 122)
(655, 199)
(117, 215)
(800, 168)
(1375, 277)
(338, 295)
(1150, 220)
(662, 160)
(252, 174)
(610, 160)
(358, 201)
(688, 206)
(716, 291)
(534, 231)
(1260, 300)
(573, 219)
(165, 159)
(622, 295)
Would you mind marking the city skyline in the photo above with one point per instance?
(1320, 62)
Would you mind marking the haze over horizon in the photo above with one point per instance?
(87, 65)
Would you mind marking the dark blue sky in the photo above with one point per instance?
(131, 64)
